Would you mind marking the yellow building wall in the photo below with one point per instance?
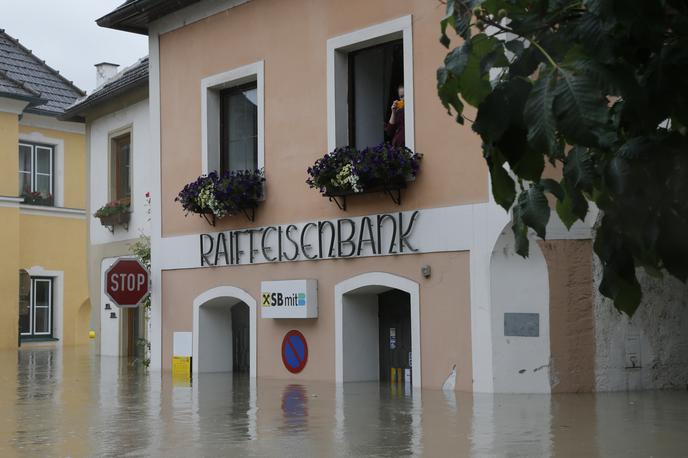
(9, 277)
(9, 231)
(62, 248)
(52, 242)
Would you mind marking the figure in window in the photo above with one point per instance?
(395, 127)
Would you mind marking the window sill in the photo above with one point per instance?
(28, 339)
(42, 210)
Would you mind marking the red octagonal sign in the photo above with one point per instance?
(126, 283)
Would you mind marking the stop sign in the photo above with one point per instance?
(126, 282)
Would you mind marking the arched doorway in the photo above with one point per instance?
(224, 331)
(377, 329)
(519, 291)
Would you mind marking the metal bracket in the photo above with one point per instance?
(249, 213)
(210, 220)
(339, 200)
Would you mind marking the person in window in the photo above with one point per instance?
(395, 127)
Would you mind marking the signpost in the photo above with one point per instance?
(294, 351)
(126, 283)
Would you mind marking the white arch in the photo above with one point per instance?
(386, 280)
(521, 286)
(226, 292)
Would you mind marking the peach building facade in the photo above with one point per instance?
(426, 282)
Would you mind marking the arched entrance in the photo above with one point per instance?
(224, 331)
(519, 290)
(377, 328)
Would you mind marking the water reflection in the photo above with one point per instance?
(71, 403)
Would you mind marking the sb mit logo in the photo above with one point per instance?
(279, 300)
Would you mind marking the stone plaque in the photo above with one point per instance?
(522, 324)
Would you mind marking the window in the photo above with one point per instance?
(232, 125)
(36, 173)
(376, 74)
(364, 70)
(35, 317)
(239, 128)
(120, 169)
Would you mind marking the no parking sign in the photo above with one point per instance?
(294, 351)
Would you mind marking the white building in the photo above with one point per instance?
(117, 131)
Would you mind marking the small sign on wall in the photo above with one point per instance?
(522, 324)
(289, 299)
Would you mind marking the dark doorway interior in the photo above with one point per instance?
(240, 338)
(394, 317)
(133, 321)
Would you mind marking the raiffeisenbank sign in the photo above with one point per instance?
(289, 299)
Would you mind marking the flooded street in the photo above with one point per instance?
(71, 403)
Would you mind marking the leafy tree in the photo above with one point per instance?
(597, 88)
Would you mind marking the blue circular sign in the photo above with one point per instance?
(294, 351)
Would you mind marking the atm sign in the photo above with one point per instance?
(289, 299)
(279, 300)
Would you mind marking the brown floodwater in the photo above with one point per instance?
(72, 403)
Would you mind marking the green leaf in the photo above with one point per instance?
(530, 165)
(475, 85)
(503, 186)
(457, 59)
(579, 108)
(533, 209)
(553, 187)
(572, 207)
(579, 169)
(448, 92)
(539, 116)
(619, 282)
(520, 230)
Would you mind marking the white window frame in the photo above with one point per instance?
(57, 317)
(34, 147)
(210, 111)
(338, 49)
(32, 307)
(49, 281)
(112, 136)
(57, 165)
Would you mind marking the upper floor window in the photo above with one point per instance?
(375, 93)
(120, 168)
(370, 86)
(239, 128)
(232, 124)
(36, 176)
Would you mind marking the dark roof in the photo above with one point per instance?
(135, 15)
(24, 76)
(131, 77)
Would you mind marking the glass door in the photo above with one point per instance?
(38, 320)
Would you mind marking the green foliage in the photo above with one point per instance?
(598, 89)
(141, 249)
(112, 208)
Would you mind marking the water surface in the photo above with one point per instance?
(72, 403)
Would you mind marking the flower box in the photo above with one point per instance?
(117, 219)
(348, 171)
(113, 214)
(215, 196)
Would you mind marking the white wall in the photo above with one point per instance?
(110, 344)
(215, 338)
(660, 324)
(136, 116)
(361, 337)
(520, 364)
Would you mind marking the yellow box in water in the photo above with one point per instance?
(181, 367)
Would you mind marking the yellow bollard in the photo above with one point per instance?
(91, 334)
